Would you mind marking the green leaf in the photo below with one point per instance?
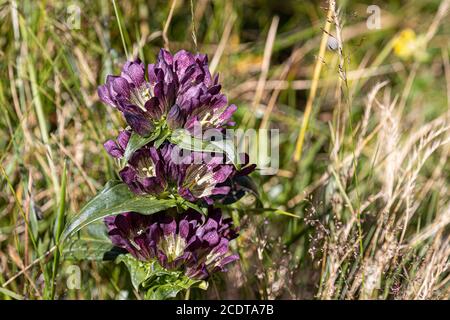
(162, 137)
(34, 224)
(114, 199)
(86, 248)
(171, 289)
(58, 228)
(59, 220)
(92, 244)
(136, 142)
(184, 204)
(227, 147)
(11, 294)
(157, 282)
(184, 140)
(97, 230)
(139, 271)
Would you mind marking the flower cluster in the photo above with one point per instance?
(176, 92)
(154, 171)
(190, 241)
(179, 93)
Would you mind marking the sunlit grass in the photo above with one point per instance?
(359, 209)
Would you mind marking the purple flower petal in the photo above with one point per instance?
(112, 148)
(165, 56)
(134, 72)
(211, 237)
(139, 123)
(153, 108)
(228, 113)
(175, 117)
(152, 74)
(173, 240)
(123, 138)
(221, 190)
(168, 226)
(104, 95)
(121, 87)
(227, 260)
(223, 173)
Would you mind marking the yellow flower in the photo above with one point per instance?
(407, 45)
(404, 44)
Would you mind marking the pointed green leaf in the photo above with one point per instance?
(93, 243)
(171, 289)
(11, 294)
(184, 140)
(114, 199)
(162, 137)
(139, 271)
(187, 204)
(158, 283)
(86, 248)
(136, 142)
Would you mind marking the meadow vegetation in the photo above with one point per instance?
(360, 206)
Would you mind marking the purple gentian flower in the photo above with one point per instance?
(191, 242)
(116, 148)
(179, 92)
(153, 171)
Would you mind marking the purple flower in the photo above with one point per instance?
(116, 148)
(191, 242)
(238, 183)
(194, 176)
(179, 92)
